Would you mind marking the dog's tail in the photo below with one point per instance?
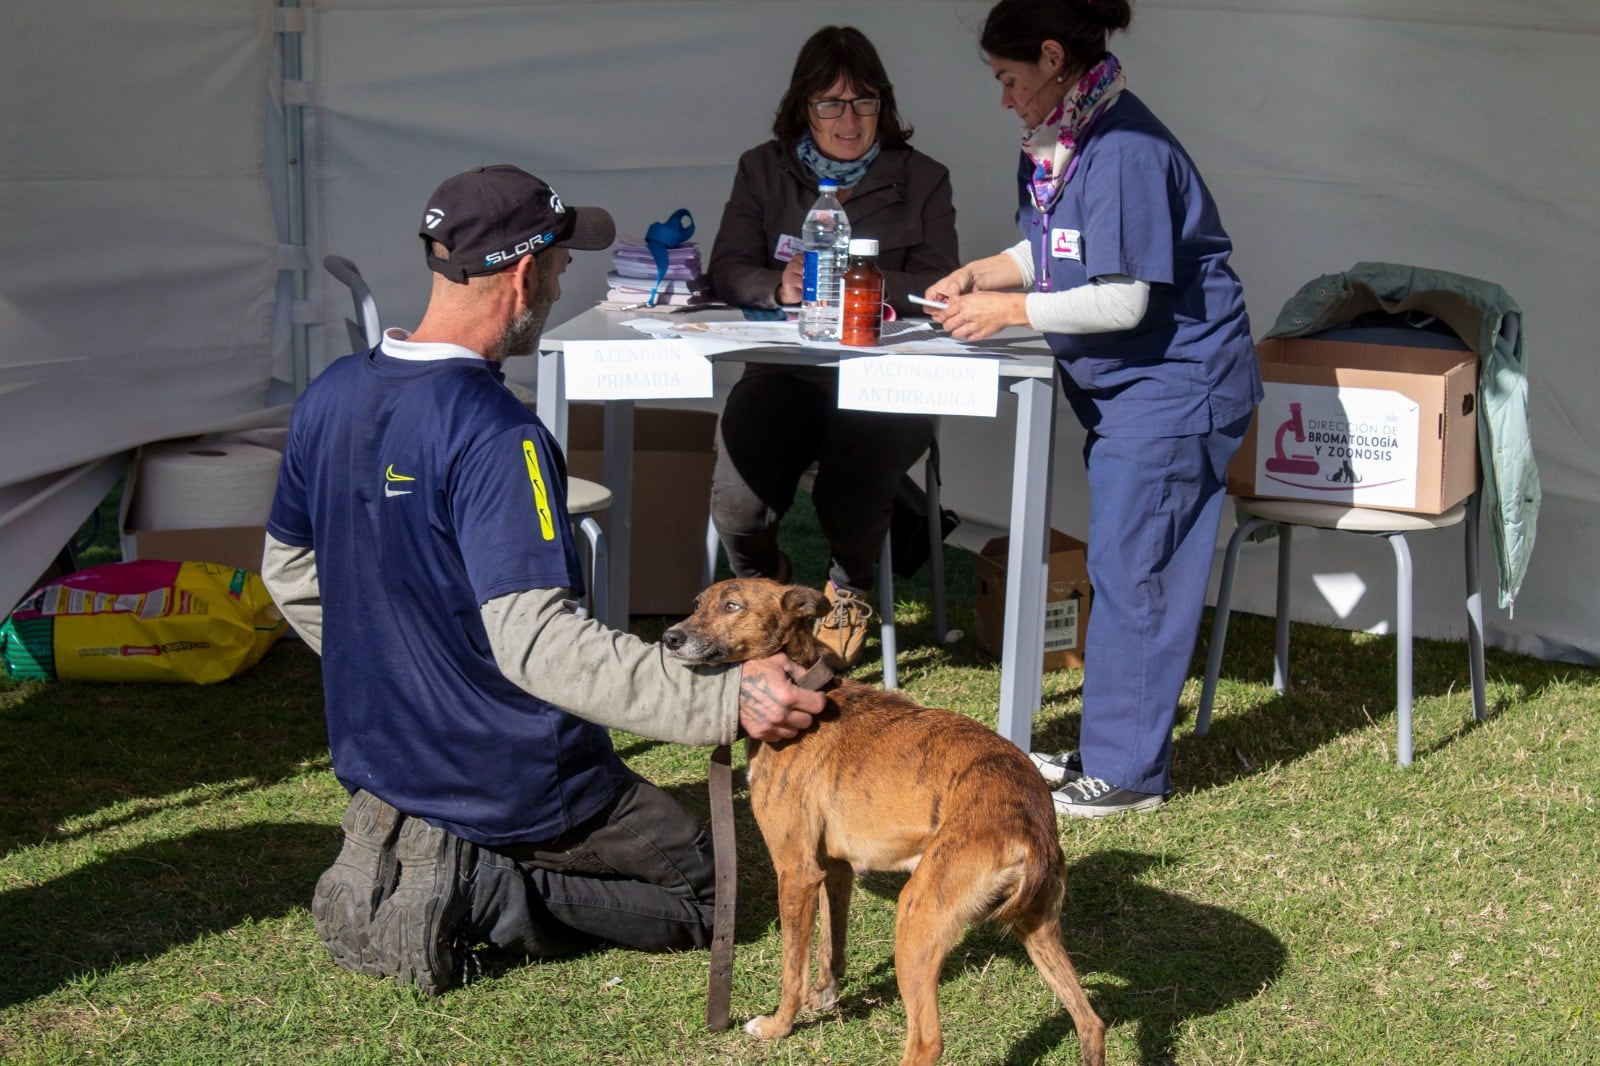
(1040, 866)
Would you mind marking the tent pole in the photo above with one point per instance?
(291, 27)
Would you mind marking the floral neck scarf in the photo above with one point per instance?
(846, 174)
(1052, 145)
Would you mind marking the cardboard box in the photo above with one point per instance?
(1362, 424)
(235, 546)
(672, 460)
(1067, 599)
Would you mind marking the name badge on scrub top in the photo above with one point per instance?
(787, 248)
(1066, 244)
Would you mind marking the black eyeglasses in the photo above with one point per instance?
(833, 107)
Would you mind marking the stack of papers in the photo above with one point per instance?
(633, 275)
(629, 290)
(632, 258)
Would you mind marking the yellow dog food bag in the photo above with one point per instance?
(150, 620)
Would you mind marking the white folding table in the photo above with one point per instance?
(1027, 370)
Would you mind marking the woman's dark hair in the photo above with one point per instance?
(830, 52)
(1017, 29)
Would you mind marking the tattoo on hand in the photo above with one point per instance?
(756, 699)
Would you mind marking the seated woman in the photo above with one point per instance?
(838, 120)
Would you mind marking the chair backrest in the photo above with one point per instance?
(366, 330)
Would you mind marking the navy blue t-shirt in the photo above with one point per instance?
(426, 489)
(1136, 205)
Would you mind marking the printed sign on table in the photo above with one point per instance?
(920, 384)
(655, 369)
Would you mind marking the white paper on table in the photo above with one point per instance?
(920, 384)
(749, 332)
(655, 369)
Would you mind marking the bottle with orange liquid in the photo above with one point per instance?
(862, 325)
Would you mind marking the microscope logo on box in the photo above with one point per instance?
(1338, 445)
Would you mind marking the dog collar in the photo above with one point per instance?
(816, 677)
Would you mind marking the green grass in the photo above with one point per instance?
(1299, 900)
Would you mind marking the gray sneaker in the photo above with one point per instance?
(416, 927)
(349, 893)
(390, 904)
(1063, 766)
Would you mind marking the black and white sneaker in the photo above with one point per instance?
(1058, 768)
(1090, 797)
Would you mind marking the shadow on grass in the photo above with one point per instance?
(75, 748)
(1148, 958)
(139, 903)
(1340, 682)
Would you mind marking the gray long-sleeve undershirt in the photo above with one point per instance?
(602, 675)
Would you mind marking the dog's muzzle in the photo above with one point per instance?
(685, 646)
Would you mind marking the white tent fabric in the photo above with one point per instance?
(137, 292)
(1453, 134)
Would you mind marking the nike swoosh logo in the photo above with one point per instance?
(390, 475)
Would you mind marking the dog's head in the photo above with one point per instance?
(749, 618)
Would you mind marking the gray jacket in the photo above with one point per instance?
(903, 200)
(1489, 322)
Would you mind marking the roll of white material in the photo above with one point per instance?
(203, 485)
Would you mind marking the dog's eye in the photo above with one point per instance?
(731, 606)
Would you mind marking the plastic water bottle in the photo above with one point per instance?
(825, 240)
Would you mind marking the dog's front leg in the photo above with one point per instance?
(797, 915)
(840, 878)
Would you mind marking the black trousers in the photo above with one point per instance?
(639, 874)
(777, 422)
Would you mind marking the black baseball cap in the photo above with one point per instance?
(489, 217)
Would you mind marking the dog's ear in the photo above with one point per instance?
(804, 601)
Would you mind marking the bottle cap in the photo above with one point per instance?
(827, 185)
(863, 246)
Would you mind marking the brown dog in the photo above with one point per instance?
(883, 784)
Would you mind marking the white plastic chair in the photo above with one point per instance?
(585, 498)
(1285, 515)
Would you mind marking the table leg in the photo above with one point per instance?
(617, 520)
(550, 402)
(1027, 562)
(550, 397)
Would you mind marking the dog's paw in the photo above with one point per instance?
(766, 1027)
(822, 997)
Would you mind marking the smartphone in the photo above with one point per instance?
(937, 304)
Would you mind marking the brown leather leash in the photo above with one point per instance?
(719, 991)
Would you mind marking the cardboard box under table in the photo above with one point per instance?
(1067, 596)
(1391, 426)
(672, 460)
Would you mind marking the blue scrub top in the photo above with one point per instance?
(1136, 205)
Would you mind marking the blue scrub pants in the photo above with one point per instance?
(1153, 511)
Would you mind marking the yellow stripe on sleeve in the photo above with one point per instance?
(541, 495)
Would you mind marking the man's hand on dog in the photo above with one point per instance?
(771, 705)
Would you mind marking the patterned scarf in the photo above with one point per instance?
(846, 174)
(1052, 145)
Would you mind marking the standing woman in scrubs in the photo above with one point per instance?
(1123, 265)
